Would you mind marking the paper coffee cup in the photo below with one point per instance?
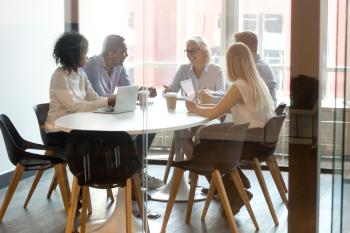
(171, 100)
(143, 97)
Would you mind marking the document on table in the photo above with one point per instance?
(188, 89)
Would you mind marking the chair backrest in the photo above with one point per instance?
(41, 111)
(272, 129)
(224, 152)
(13, 141)
(101, 159)
(280, 108)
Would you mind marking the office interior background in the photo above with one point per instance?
(155, 33)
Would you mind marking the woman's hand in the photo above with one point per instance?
(204, 96)
(191, 106)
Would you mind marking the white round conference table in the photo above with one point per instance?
(154, 118)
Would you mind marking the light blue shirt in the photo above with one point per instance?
(211, 78)
(266, 74)
(102, 83)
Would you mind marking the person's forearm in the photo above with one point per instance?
(207, 112)
(207, 105)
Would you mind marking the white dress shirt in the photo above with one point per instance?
(211, 78)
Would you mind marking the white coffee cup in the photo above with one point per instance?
(143, 97)
(171, 100)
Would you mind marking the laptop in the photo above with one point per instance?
(125, 100)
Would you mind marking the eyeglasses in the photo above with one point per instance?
(191, 51)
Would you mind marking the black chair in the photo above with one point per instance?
(215, 158)
(41, 111)
(280, 108)
(16, 148)
(102, 160)
(259, 146)
(41, 114)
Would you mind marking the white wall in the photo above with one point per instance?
(28, 30)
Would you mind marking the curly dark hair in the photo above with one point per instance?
(68, 50)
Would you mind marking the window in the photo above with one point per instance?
(249, 22)
(272, 25)
(155, 32)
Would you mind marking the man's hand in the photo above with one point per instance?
(167, 89)
(152, 91)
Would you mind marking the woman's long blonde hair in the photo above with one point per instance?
(240, 65)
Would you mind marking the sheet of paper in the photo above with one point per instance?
(187, 87)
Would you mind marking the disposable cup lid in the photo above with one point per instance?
(171, 94)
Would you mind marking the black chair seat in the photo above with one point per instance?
(39, 164)
(197, 166)
(259, 150)
(205, 168)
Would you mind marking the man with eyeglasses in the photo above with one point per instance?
(106, 71)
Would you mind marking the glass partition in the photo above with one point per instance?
(333, 148)
(155, 33)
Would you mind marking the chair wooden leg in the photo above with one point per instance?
(239, 185)
(38, 176)
(73, 207)
(62, 180)
(136, 184)
(257, 169)
(128, 206)
(89, 207)
(178, 173)
(216, 179)
(273, 158)
(53, 186)
(84, 208)
(170, 161)
(277, 180)
(110, 194)
(11, 189)
(194, 180)
(210, 196)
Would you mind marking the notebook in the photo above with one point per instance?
(188, 89)
(125, 100)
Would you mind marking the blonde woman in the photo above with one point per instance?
(248, 99)
(204, 75)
